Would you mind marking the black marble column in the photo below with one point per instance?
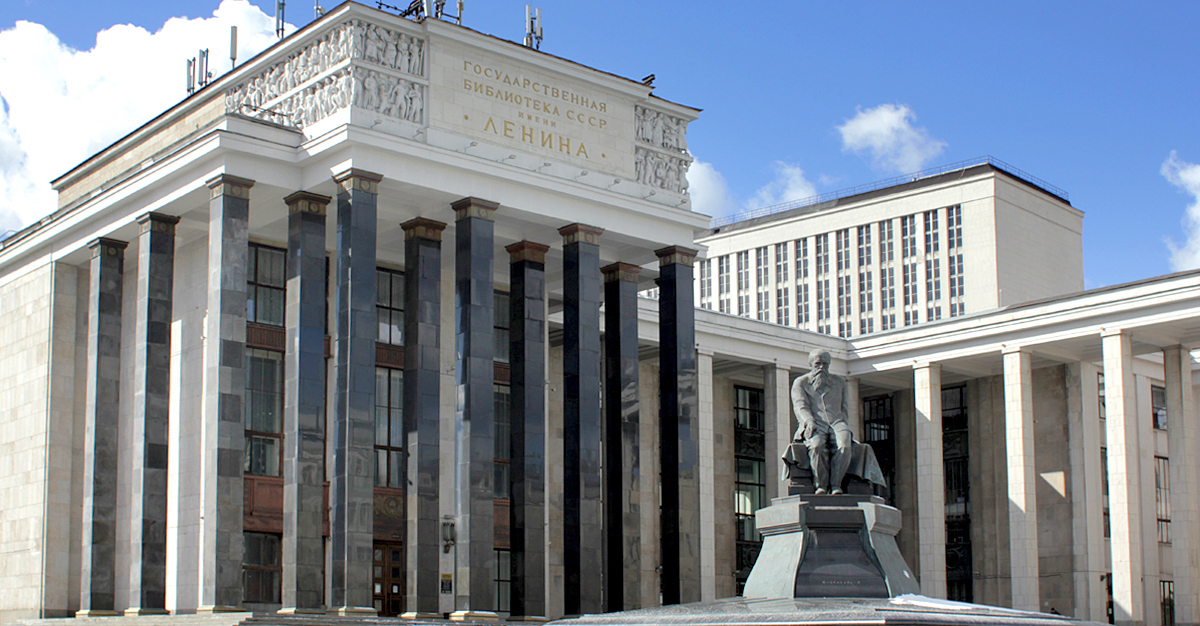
(151, 398)
(352, 482)
(98, 580)
(527, 472)
(223, 432)
(474, 374)
(582, 513)
(304, 406)
(422, 411)
(622, 495)
(679, 437)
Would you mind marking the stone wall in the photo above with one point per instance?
(38, 525)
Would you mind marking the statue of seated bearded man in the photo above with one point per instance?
(824, 443)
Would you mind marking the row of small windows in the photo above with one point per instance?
(776, 257)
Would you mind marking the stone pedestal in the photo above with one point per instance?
(829, 546)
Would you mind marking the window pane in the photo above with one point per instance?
(398, 291)
(383, 288)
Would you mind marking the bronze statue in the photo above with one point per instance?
(824, 444)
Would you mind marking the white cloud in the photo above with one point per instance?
(59, 106)
(709, 191)
(1185, 176)
(887, 136)
(789, 184)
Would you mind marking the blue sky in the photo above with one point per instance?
(799, 97)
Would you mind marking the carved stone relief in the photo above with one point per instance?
(660, 170)
(389, 95)
(301, 90)
(660, 130)
(389, 48)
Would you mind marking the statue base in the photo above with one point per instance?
(829, 547)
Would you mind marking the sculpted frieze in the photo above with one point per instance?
(660, 170)
(389, 48)
(313, 60)
(660, 130)
(389, 95)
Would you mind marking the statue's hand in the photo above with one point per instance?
(808, 429)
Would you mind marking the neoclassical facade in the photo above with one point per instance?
(398, 318)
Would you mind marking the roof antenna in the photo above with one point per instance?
(232, 47)
(533, 28)
(279, 22)
(318, 9)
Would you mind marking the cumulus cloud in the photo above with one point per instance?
(886, 135)
(709, 191)
(58, 105)
(1185, 176)
(789, 184)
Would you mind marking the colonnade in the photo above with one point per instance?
(345, 587)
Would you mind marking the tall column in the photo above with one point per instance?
(527, 473)
(223, 430)
(931, 478)
(304, 407)
(422, 413)
(708, 492)
(1083, 433)
(1124, 476)
(582, 511)
(622, 510)
(475, 423)
(777, 390)
(352, 481)
(679, 439)
(1185, 514)
(854, 417)
(1022, 477)
(151, 404)
(98, 579)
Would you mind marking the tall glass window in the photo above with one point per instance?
(266, 279)
(261, 569)
(1162, 497)
(956, 457)
(750, 481)
(1158, 406)
(502, 397)
(879, 428)
(389, 427)
(503, 578)
(263, 408)
(1166, 592)
(500, 314)
(706, 284)
(389, 306)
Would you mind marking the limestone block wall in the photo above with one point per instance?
(988, 472)
(651, 489)
(38, 335)
(905, 489)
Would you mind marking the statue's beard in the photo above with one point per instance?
(820, 379)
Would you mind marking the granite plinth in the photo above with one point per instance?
(905, 609)
(829, 546)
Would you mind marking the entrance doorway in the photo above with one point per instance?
(389, 578)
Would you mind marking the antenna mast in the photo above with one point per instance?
(232, 47)
(533, 27)
(279, 21)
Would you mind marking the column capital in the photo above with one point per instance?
(526, 250)
(580, 233)
(356, 179)
(1011, 348)
(307, 202)
(104, 245)
(157, 222)
(621, 271)
(229, 185)
(671, 255)
(474, 207)
(1112, 332)
(924, 365)
(423, 228)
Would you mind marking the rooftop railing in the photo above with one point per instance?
(890, 182)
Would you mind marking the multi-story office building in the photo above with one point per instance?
(327, 335)
(944, 243)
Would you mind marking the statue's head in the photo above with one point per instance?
(819, 360)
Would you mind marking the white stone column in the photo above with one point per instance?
(1185, 513)
(854, 417)
(1087, 505)
(708, 539)
(1125, 511)
(931, 478)
(777, 391)
(1022, 476)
